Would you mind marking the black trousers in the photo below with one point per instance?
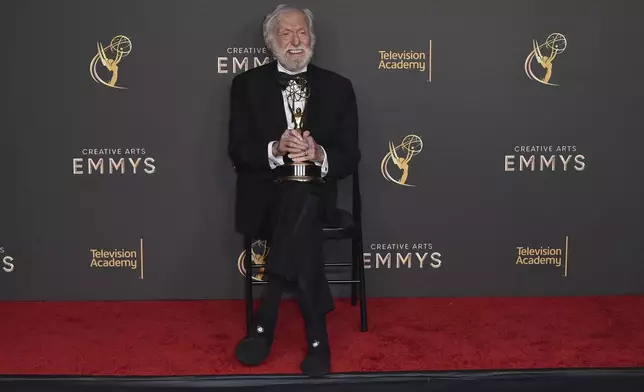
(296, 219)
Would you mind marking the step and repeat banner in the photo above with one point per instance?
(501, 141)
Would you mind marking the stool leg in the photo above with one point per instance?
(363, 295)
(248, 283)
(355, 261)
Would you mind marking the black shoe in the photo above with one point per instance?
(317, 362)
(318, 358)
(254, 350)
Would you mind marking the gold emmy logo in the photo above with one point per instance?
(411, 145)
(119, 47)
(259, 251)
(545, 54)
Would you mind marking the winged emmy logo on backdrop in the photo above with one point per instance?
(544, 55)
(259, 252)
(110, 57)
(399, 157)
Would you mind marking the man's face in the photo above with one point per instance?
(293, 40)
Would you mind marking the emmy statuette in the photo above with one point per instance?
(298, 90)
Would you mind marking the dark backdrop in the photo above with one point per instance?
(475, 219)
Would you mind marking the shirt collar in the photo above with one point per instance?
(282, 69)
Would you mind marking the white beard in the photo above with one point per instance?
(291, 64)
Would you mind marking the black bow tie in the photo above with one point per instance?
(283, 78)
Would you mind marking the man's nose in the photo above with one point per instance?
(295, 40)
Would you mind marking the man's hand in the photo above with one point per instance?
(291, 142)
(313, 152)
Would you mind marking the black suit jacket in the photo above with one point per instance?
(257, 117)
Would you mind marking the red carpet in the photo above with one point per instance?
(198, 337)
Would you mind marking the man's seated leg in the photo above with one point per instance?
(254, 349)
(295, 257)
(315, 300)
(305, 249)
(318, 357)
(281, 228)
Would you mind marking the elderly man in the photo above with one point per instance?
(290, 215)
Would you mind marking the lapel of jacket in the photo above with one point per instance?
(274, 109)
(311, 121)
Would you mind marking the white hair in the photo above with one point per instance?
(271, 20)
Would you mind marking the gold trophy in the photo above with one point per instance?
(298, 90)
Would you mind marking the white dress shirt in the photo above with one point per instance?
(274, 161)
